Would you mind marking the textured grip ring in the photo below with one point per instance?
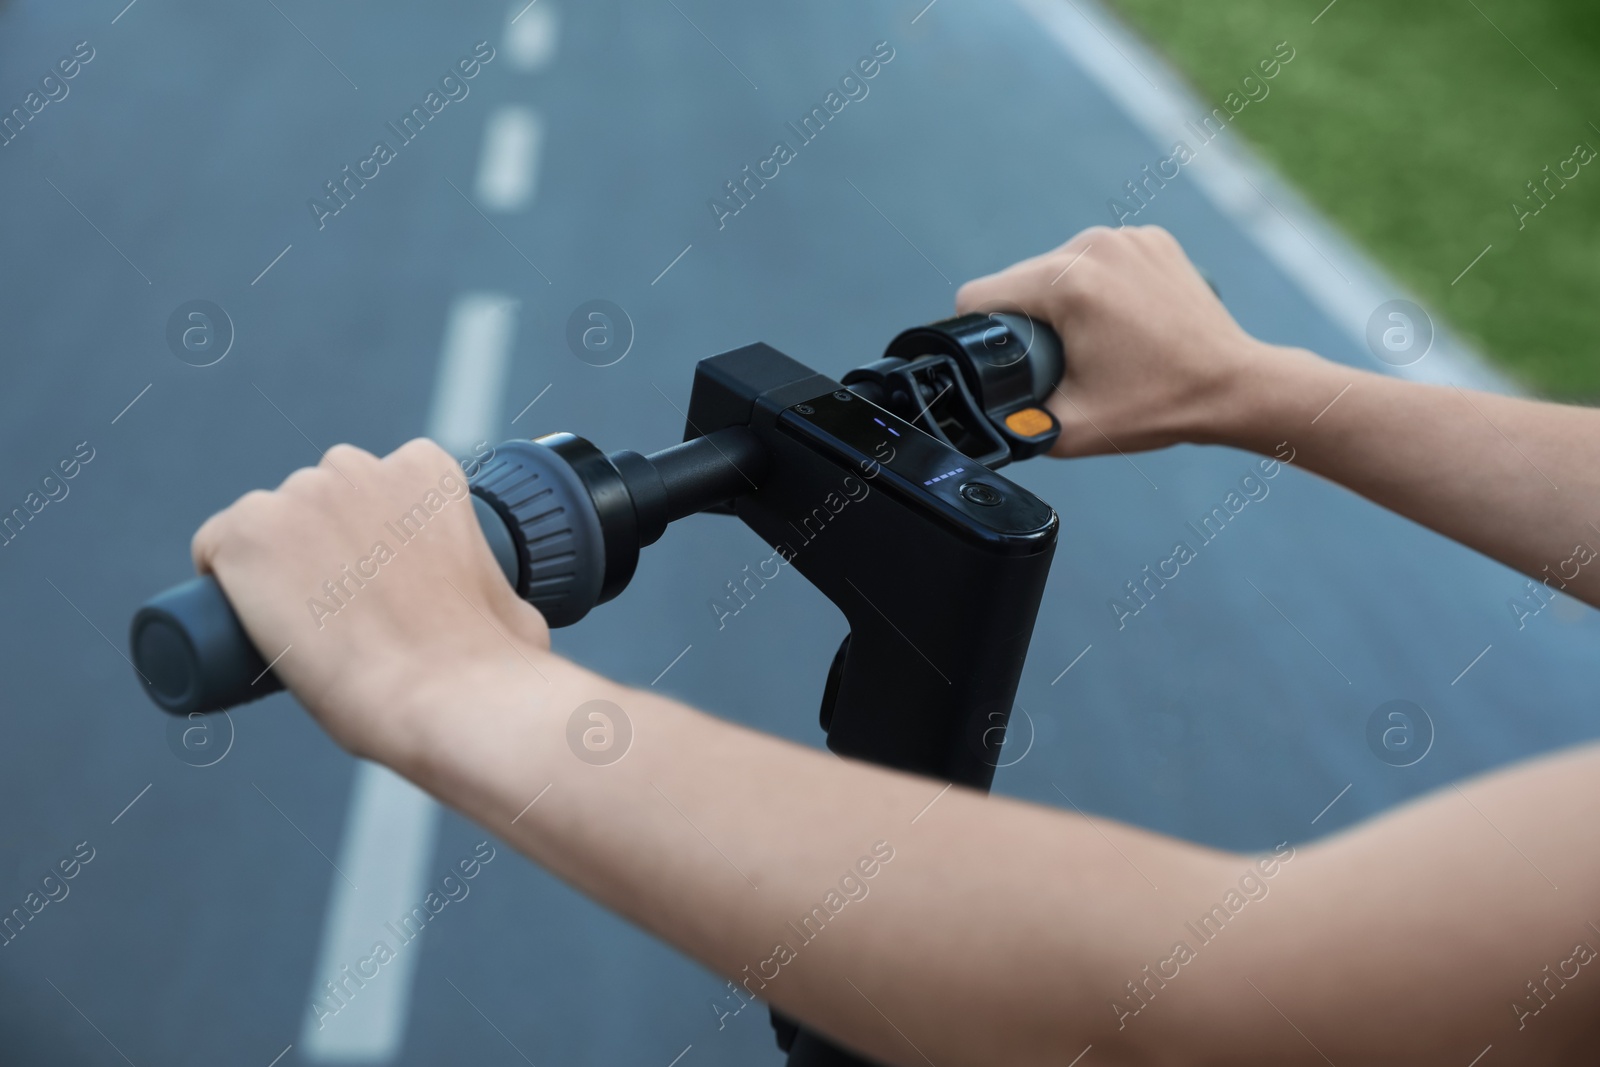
(554, 526)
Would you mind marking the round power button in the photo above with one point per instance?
(979, 493)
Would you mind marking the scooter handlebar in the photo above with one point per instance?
(193, 654)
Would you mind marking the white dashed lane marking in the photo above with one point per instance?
(530, 37)
(391, 825)
(390, 829)
(508, 167)
(388, 843)
(471, 385)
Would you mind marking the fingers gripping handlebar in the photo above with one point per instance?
(565, 520)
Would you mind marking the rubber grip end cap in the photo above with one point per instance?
(192, 653)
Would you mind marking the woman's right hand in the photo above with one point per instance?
(371, 583)
(1153, 358)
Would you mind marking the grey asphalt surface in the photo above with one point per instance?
(1232, 710)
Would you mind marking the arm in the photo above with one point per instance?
(977, 930)
(1154, 359)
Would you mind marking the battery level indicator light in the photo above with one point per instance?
(946, 474)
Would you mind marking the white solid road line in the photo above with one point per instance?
(530, 37)
(1336, 276)
(508, 166)
(391, 825)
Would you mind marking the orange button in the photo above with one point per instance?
(1029, 422)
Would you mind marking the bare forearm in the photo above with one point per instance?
(987, 931)
(1512, 478)
(991, 931)
(1460, 920)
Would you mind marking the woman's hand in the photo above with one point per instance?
(374, 576)
(1153, 358)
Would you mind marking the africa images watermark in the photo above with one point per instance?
(1537, 595)
(1255, 89)
(1252, 887)
(1541, 191)
(54, 487)
(1544, 990)
(853, 85)
(341, 590)
(852, 886)
(851, 490)
(53, 89)
(453, 85)
(53, 889)
(353, 978)
(1251, 489)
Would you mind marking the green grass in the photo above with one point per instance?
(1415, 126)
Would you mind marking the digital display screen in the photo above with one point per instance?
(925, 472)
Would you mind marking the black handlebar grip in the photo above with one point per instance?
(194, 656)
(1046, 358)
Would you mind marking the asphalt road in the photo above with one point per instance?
(1233, 709)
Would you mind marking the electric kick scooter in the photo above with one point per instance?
(939, 569)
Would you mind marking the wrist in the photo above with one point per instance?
(1270, 395)
(447, 717)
